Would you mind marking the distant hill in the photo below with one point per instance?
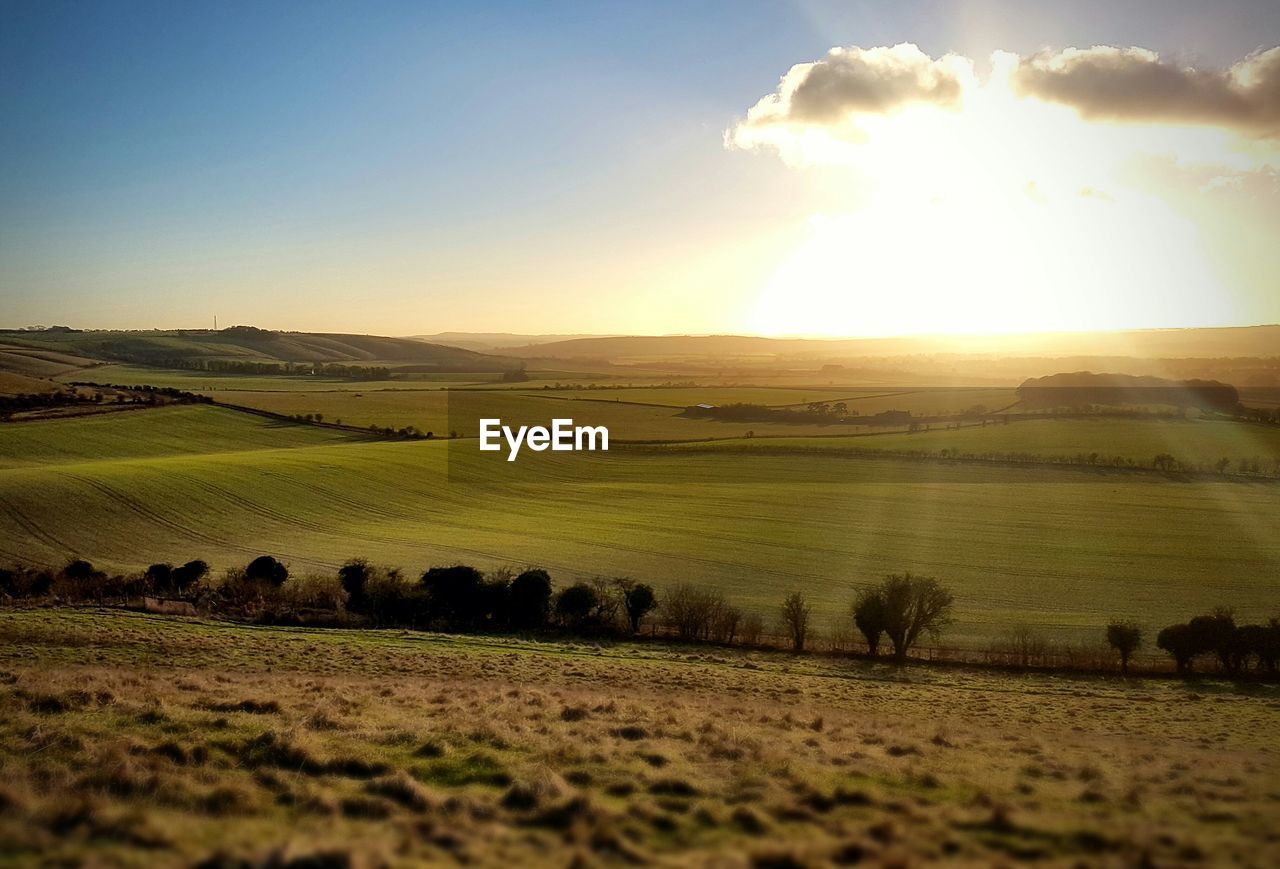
(248, 344)
(37, 363)
(1245, 341)
(485, 342)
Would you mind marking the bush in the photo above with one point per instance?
(264, 568)
(25, 582)
(529, 599)
(752, 631)
(454, 597)
(689, 611)
(1125, 638)
(312, 591)
(576, 604)
(390, 599)
(869, 617)
(353, 576)
(725, 622)
(638, 601)
(1021, 647)
(1179, 641)
(795, 619)
(189, 575)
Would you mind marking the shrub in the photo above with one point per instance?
(1125, 638)
(725, 622)
(25, 582)
(313, 592)
(529, 599)
(264, 568)
(189, 575)
(1180, 642)
(870, 618)
(453, 595)
(690, 610)
(795, 619)
(638, 600)
(353, 576)
(575, 605)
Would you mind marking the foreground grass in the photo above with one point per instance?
(142, 740)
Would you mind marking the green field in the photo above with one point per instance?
(441, 411)
(1194, 441)
(185, 430)
(214, 383)
(1063, 549)
(144, 741)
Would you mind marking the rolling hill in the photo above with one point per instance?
(245, 343)
(1147, 343)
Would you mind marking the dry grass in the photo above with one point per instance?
(145, 741)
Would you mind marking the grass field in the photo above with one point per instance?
(214, 383)
(1194, 440)
(149, 741)
(441, 411)
(632, 412)
(186, 430)
(1062, 549)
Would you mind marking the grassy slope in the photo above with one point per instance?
(152, 433)
(135, 740)
(151, 346)
(12, 383)
(1066, 549)
(214, 383)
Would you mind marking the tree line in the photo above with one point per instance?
(463, 599)
(890, 616)
(1215, 635)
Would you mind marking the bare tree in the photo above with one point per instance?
(913, 604)
(795, 619)
(725, 622)
(689, 610)
(1021, 647)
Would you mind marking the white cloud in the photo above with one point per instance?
(848, 85)
(1137, 85)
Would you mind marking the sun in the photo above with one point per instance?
(958, 235)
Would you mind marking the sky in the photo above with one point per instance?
(812, 168)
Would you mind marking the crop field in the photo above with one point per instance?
(631, 414)
(684, 396)
(153, 433)
(1060, 549)
(441, 411)
(1194, 440)
(147, 741)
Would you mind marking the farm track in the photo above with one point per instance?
(31, 527)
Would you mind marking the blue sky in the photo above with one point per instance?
(415, 167)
